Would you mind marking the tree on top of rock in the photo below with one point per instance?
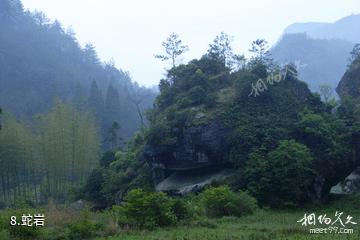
(173, 49)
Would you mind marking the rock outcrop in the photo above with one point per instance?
(349, 85)
(210, 119)
(183, 182)
(351, 184)
(349, 92)
(200, 146)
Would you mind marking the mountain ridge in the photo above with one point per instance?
(340, 29)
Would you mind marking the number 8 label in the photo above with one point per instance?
(13, 220)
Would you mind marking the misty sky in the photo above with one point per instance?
(131, 31)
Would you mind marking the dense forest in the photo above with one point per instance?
(49, 159)
(41, 61)
(61, 107)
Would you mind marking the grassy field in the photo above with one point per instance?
(262, 226)
(64, 223)
(265, 224)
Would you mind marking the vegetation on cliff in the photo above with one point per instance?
(268, 130)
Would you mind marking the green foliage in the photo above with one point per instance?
(4, 234)
(108, 184)
(48, 158)
(63, 68)
(261, 53)
(83, 229)
(283, 176)
(160, 134)
(182, 209)
(330, 140)
(355, 55)
(24, 232)
(143, 209)
(17, 232)
(107, 158)
(220, 50)
(173, 49)
(197, 94)
(92, 189)
(221, 201)
(254, 125)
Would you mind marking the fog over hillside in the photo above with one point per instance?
(40, 62)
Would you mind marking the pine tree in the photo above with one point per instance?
(112, 110)
(79, 99)
(96, 102)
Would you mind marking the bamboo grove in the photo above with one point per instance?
(48, 157)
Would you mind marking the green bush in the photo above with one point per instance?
(143, 209)
(4, 235)
(24, 232)
(17, 232)
(221, 201)
(281, 177)
(182, 209)
(83, 229)
(197, 94)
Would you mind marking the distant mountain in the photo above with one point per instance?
(345, 28)
(321, 50)
(320, 61)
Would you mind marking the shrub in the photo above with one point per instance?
(197, 94)
(243, 204)
(17, 232)
(281, 177)
(181, 209)
(143, 209)
(221, 201)
(83, 229)
(24, 232)
(107, 158)
(4, 235)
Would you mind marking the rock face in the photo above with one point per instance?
(351, 184)
(349, 88)
(183, 182)
(200, 147)
(78, 205)
(349, 85)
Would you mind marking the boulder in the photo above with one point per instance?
(78, 205)
(351, 184)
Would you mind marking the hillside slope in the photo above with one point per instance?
(40, 61)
